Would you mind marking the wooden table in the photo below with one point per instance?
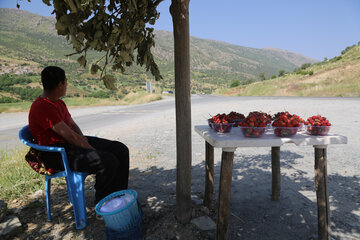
(230, 141)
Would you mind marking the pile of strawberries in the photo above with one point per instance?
(254, 125)
(317, 121)
(236, 117)
(318, 125)
(285, 119)
(256, 119)
(286, 124)
(221, 123)
(220, 118)
(232, 117)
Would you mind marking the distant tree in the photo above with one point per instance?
(273, 76)
(305, 65)
(262, 76)
(235, 83)
(248, 81)
(325, 59)
(281, 73)
(347, 49)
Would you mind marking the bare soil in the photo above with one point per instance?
(159, 221)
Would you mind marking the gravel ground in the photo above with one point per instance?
(152, 145)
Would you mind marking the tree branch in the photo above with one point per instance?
(71, 54)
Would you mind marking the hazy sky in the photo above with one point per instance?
(314, 28)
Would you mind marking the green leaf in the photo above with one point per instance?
(94, 68)
(98, 34)
(82, 61)
(109, 82)
(47, 2)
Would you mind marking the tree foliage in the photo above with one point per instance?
(235, 83)
(282, 72)
(305, 65)
(116, 27)
(262, 76)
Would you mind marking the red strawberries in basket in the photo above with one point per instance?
(317, 121)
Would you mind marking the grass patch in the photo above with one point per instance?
(131, 98)
(141, 97)
(17, 179)
(90, 101)
(15, 107)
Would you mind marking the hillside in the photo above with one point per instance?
(336, 77)
(29, 41)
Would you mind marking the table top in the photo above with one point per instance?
(234, 139)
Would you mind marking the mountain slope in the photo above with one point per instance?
(32, 38)
(339, 76)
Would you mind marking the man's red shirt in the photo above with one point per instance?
(43, 115)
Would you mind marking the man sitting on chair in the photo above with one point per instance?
(51, 125)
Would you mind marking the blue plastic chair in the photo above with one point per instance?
(74, 180)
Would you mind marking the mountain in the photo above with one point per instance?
(336, 77)
(29, 41)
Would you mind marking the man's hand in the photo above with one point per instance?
(71, 136)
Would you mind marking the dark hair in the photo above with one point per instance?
(51, 76)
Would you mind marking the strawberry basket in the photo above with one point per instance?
(317, 125)
(254, 125)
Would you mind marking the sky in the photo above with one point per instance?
(314, 28)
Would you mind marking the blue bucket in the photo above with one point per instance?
(131, 234)
(125, 217)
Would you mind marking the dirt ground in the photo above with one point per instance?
(159, 222)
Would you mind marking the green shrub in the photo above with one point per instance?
(305, 65)
(334, 59)
(8, 100)
(235, 83)
(281, 73)
(99, 94)
(303, 72)
(247, 81)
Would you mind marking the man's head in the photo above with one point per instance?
(51, 76)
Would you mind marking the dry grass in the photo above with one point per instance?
(131, 98)
(333, 79)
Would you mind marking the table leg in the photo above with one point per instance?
(322, 193)
(224, 195)
(209, 175)
(275, 170)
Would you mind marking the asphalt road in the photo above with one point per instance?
(94, 119)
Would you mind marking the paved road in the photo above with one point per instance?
(93, 120)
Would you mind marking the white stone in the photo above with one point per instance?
(204, 223)
(10, 226)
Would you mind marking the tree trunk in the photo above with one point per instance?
(179, 10)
